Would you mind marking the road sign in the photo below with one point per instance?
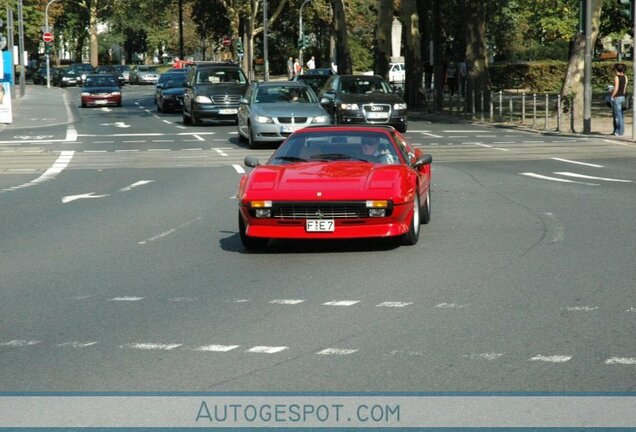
(227, 41)
(47, 37)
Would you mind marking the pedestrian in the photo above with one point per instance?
(617, 98)
(290, 68)
(311, 64)
(298, 69)
(428, 75)
(451, 77)
(463, 76)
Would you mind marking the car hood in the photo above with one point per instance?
(286, 109)
(389, 98)
(328, 181)
(173, 91)
(214, 89)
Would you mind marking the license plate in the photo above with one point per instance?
(289, 129)
(228, 111)
(321, 225)
(376, 115)
(101, 102)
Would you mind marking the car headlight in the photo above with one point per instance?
(263, 119)
(86, 94)
(399, 106)
(377, 208)
(202, 99)
(116, 93)
(320, 119)
(262, 209)
(353, 106)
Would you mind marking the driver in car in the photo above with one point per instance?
(371, 150)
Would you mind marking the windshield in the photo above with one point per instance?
(105, 80)
(363, 85)
(174, 83)
(375, 147)
(282, 93)
(217, 76)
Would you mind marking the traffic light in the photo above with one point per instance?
(239, 46)
(303, 41)
(626, 9)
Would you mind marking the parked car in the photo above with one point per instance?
(320, 71)
(352, 99)
(213, 91)
(109, 69)
(125, 71)
(143, 74)
(82, 70)
(336, 182)
(315, 81)
(171, 93)
(100, 90)
(271, 111)
(39, 75)
(397, 73)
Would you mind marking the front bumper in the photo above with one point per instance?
(211, 111)
(276, 131)
(101, 100)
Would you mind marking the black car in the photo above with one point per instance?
(369, 99)
(108, 69)
(315, 81)
(64, 77)
(39, 75)
(170, 96)
(168, 76)
(213, 91)
(81, 70)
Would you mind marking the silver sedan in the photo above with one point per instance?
(271, 111)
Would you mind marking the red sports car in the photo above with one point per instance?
(336, 182)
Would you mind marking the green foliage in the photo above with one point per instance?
(361, 56)
(546, 76)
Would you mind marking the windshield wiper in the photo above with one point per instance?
(291, 159)
(337, 156)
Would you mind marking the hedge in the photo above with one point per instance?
(548, 76)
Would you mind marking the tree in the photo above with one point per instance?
(382, 55)
(413, 55)
(478, 81)
(573, 82)
(342, 46)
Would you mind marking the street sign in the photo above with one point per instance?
(47, 37)
(227, 41)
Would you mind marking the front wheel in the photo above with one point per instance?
(250, 243)
(425, 213)
(412, 236)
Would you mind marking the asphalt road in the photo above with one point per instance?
(121, 267)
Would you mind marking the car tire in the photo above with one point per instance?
(425, 212)
(251, 143)
(196, 121)
(241, 138)
(159, 107)
(250, 243)
(186, 118)
(411, 237)
(401, 128)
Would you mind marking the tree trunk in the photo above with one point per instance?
(478, 82)
(413, 54)
(92, 31)
(574, 77)
(383, 37)
(342, 47)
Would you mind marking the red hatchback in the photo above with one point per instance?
(336, 182)
(100, 90)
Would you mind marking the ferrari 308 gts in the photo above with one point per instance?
(336, 182)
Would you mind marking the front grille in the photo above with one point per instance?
(292, 120)
(377, 108)
(349, 210)
(225, 99)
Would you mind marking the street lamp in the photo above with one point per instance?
(48, 55)
(300, 30)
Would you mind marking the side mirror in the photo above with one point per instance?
(326, 101)
(243, 101)
(251, 161)
(425, 159)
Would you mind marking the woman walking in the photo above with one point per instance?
(618, 99)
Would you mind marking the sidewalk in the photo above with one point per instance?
(39, 107)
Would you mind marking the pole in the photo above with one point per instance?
(587, 84)
(10, 43)
(48, 54)
(633, 73)
(181, 50)
(265, 52)
(21, 49)
(300, 32)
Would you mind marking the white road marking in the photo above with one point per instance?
(621, 361)
(103, 142)
(167, 121)
(394, 304)
(336, 351)
(552, 358)
(70, 198)
(428, 134)
(500, 149)
(128, 150)
(94, 151)
(216, 348)
(117, 124)
(578, 163)
(344, 303)
(485, 356)
(580, 308)
(239, 169)
(198, 137)
(542, 177)
(631, 309)
(71, 134)
(451, 306)
(136, 184)
(80, 297)
(482, 145)
(569, 174)
(267, 349)
(159, 150)
(167, 233)
(183, 299)
(240, 300)
(503, 142)
(20, 343)
(151, 346)
(559, 230)
(77, 344)
(126, 299)
(287, 301)
(219, 151)
(462, 131)
(162, 140)
(133, 141)
(192, 149)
